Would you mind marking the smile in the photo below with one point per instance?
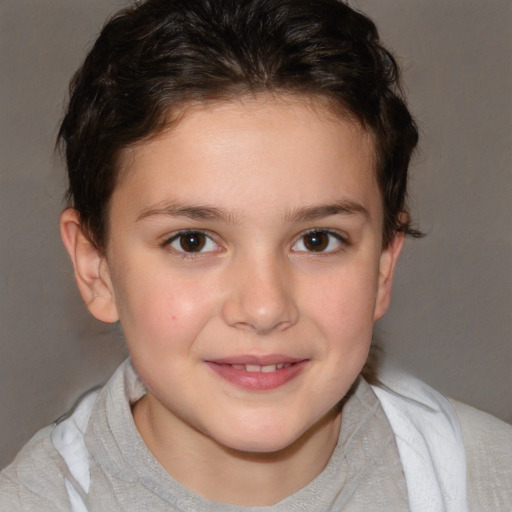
(258, 377)
(268, 368)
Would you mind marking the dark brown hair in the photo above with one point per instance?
(154, 58)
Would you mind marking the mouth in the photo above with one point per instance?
(258, 375)
(255, 368)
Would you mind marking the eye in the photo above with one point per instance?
(319, 241)
(192, 242)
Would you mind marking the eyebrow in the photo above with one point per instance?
(309, 213)
(194, 212)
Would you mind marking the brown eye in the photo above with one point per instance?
(324, 241)
(192, 241)
(316, 241)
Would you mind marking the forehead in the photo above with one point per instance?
(265, 149)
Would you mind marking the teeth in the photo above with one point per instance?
(256, 368)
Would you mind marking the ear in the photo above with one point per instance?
(91, 268)
(388, 258)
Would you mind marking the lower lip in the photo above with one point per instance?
(258, 381)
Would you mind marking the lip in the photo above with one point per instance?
(259, 360)
(258, 381)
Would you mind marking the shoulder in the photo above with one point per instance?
(469, 450)
(488, 445)
(34, 479)
(53, 470)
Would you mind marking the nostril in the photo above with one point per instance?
(260, 320)
(260, 299)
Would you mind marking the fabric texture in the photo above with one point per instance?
(488, 443)
(430, 443)
(365, 472)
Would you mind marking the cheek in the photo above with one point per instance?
(344, 301)
(160, 310)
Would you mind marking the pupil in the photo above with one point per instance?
(192, 242)
(316, 241)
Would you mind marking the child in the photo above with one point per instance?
(237, 181)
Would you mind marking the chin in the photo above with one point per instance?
(252, 438)
(263, 446)
(267, 438)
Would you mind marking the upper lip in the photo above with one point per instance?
(256, 360)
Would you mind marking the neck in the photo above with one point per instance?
(240, 478)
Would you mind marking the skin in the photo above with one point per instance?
(253, 177)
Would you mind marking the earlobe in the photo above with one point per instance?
(91, 268)
(388, 259)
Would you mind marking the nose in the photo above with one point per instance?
(260, 297)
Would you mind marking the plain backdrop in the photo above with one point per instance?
(450, 322)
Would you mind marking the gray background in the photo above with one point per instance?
(450, 322)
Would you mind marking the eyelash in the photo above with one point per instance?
(179, 237)
(203, 240)
(333, 236)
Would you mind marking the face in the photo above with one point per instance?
(246, 266)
